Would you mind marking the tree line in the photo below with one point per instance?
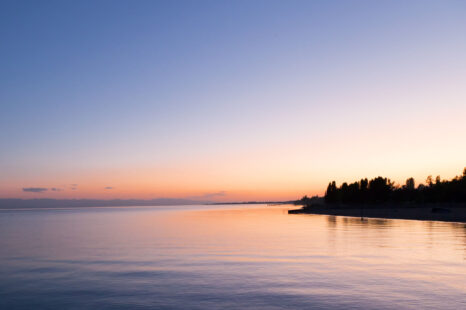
(382, 190)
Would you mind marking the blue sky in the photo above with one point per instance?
(174, 98)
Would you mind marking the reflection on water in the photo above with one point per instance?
(227, 257)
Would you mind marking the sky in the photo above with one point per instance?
(227, 100)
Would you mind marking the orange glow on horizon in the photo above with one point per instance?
(215, 187)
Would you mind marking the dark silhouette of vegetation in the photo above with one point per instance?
(307, 201)
(383, 190)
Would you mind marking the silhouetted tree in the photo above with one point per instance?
(429, 181)
(380, 190)
(331, 195)
(410, 184)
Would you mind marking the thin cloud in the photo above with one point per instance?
(109, 187)
(210, 195)
(55, 189)
(34, 189)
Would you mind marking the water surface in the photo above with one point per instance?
(226, 257)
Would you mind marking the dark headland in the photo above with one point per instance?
(439, 200)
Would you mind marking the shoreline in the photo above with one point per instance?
(428, 212)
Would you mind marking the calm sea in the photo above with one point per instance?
(226, 257)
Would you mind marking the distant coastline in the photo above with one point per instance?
(89, 203)
(255, 203)
(49, 203)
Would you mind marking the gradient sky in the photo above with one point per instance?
(230, 100)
